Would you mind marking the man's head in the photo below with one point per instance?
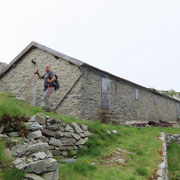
(47, 68)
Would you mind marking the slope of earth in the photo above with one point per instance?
(112, 152)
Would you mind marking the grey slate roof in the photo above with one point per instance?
(77, 63)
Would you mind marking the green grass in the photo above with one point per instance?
(7, 171)
(11, 106)
(168, 93)
(142, 143)
(174, 161)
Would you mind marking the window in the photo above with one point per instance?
(105, 94)
(137, 94)
(155, 99)
(177, 109)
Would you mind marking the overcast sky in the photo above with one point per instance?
(138, 40)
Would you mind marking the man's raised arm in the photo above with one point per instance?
(40, 77)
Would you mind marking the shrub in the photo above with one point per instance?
(14, 123)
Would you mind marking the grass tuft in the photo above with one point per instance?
(141, 171)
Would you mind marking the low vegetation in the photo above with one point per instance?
(169, 93)
(7, 171)
(174, 161)
(102, 158)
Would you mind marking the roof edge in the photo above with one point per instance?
(75, 62)
(44, 48)
(154, 91)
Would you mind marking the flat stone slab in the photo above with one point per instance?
(38, 118)
(35, 135)
(69, 129)
(38, 147)
(80, 142)
(55, 142)
(18, 150)
(19, 163)
(48, 133)
(39, 155)
(77, 128)
(59, 134)
(67, 160)
(76, 136)
(84, 127)
(33, 126)
(42, 166)
(31, 176)
(51, 175)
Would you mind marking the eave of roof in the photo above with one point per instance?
(77, 63)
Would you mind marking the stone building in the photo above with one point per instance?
(86, 92)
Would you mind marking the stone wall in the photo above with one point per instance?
(80, 93)
(126, 105)
(172, 137)
(90, 98)
(18, 76)
(162, 170)
(44, 138)
(63, 139)
(163, 166)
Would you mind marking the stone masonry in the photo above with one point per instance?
(63, 139)
(46, 137)
(81, 89)
(166, 139)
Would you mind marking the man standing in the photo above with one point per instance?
(49, 78)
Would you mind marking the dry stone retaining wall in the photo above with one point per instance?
(61, 137)
(46, 137)
(163, 166)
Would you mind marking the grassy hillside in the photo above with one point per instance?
(101, 158)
